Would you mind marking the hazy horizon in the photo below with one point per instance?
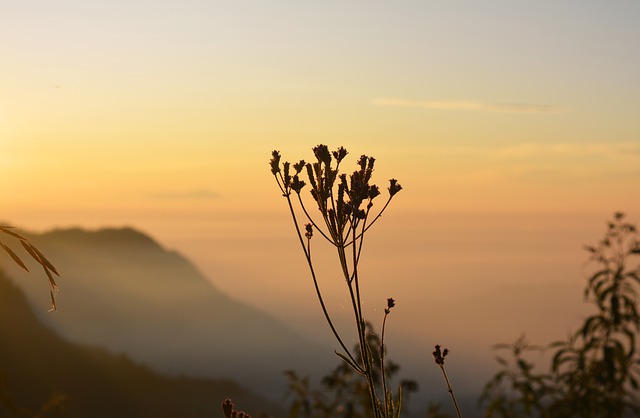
(466, 281)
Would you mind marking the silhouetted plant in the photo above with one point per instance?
(344, 205)
(344, 394)
(31, 249)
(54, 406)
(228, 410)
(55, 402)
(595, 372)
(438, 357)
(516, 391)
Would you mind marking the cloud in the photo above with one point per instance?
(199, 194)
(470, 106)
(601, 149)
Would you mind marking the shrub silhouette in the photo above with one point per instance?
(594, 373)
(344, 394)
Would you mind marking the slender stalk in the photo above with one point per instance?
(372, 222)
(365, 350)
(317, 287)
(304, 209)
(345, 225)
(364, 223)
(382, 370)
(450, 390)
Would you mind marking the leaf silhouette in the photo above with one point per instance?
(14, 256)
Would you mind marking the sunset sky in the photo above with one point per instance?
(163, 114)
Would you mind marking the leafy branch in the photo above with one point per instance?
(34, 253)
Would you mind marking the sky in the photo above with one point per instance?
(512, 126)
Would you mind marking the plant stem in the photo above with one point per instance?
(450, 390)
(382, 370)
(317, 287)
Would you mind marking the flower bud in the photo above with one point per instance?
(275, 162)
(394, 187)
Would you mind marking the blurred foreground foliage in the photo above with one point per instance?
(594, 373)
(344, 393)
(33, 252)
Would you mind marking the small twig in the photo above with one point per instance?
(390, 304)
(439, 356)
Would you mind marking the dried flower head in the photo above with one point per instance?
(390, 304)
(309, 231)
(299, 166)
(394, 187)
(297, 184)
(339, 154)
(439, 356)
(322, 154)
(373, 191)
(275, 162)
(287, 176)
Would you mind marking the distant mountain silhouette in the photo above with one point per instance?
(36, 365)
(123, 291)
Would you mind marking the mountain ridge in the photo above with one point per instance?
(122, 290)
(36, 366)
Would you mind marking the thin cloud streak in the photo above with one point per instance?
(627, 150)
(464, 105)
(200, 194)
(619, 150)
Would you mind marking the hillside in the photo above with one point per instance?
(123, 291)
(36, 364)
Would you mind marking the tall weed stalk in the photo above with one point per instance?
(344, 215)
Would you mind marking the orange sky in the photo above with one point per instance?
(143, 105)
(163, 116)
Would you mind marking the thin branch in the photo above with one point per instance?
(315, 283)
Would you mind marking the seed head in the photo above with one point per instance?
(297, 184)
(394, 187)
(439, 356)
(373, 191)
(299, 166)
(275, 162)
(287, 176)
(362, 162)
(322, 154)
(339, 154)
(390, 304)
